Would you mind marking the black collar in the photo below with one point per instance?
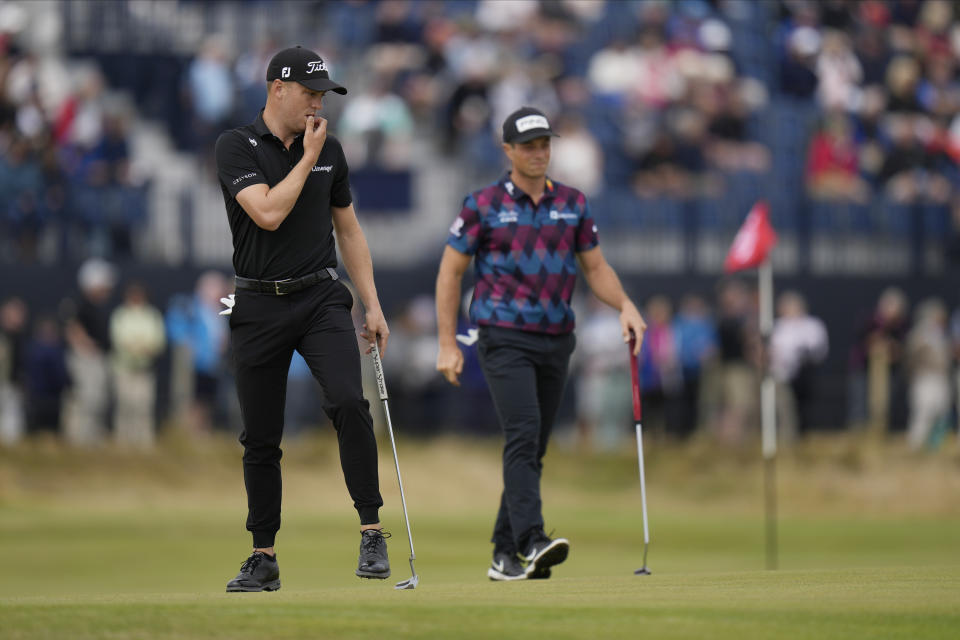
(261, 129)
(516, 192)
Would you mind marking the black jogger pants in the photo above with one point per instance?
(526, 373)
(265, 329)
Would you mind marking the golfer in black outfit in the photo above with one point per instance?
(285, 186)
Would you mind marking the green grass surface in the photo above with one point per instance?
(111, 545)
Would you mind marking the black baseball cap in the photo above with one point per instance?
(297, 64)
(526, 124)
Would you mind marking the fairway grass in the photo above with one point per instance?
(865, 603)
(112, 545)
(908, 602)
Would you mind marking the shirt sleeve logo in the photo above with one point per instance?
(243, 177)
(457, 227)
(252, 142)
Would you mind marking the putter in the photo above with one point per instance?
(635, 379)
(414, 579)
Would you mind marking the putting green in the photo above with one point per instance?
(111, 545)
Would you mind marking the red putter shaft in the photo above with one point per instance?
(635, 379)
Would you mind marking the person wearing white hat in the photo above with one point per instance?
(88, 340)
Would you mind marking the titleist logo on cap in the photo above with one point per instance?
(297, 64)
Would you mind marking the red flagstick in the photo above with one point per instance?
(637, 411)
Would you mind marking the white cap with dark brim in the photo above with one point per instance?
(526, 124)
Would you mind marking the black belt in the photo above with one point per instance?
(283, 287)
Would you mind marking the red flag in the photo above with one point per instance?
(753, 241)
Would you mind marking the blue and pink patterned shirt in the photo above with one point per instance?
(524, 254)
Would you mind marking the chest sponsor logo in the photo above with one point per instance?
(316, 65)
(244, 177)
(252, 142)
(562, 215)
(327, 168)
(506, 217)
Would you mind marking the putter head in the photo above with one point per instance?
(643, 571)
(410, 583)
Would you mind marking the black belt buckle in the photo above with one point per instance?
(276, 286)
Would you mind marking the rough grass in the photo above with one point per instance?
(112, 544)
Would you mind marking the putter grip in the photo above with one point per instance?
(378, 371)
(635, 379)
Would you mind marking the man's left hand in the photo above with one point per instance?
(632, 321)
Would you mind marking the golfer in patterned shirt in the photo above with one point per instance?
(526, 234)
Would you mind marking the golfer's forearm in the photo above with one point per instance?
(359, 265)
(268, 209)
(606, 286)
(448, 301)
(453, 264)
(284, 194)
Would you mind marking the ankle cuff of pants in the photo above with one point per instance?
(528, 536)
(369, 515)
(263, 539)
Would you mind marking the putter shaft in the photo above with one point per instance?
(403, 499)
(414, 579)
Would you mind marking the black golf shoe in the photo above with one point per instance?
(259, 572)
(542, 553)
(540, 574)
(373, 555)
(506, 566)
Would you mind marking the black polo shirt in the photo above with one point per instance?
(303, 243)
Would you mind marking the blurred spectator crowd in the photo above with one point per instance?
(885, 77)
(90, 370)
(69, 190)
(672, 116)
(717, 102)
(701, 365)
(97, 368)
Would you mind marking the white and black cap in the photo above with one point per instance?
(297, 64)
(96, 273)
(526, 124)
